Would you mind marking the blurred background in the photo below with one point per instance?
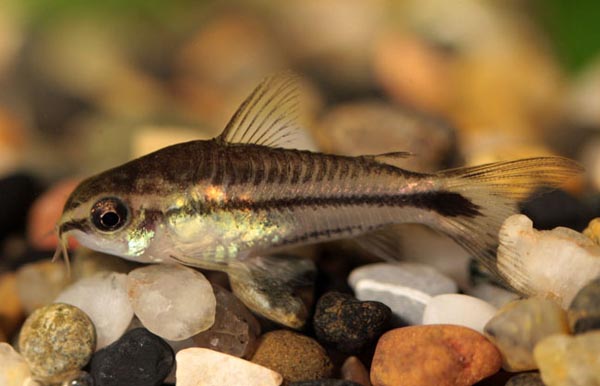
(88, 85)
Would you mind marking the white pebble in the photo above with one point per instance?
(103, 297)
(404, 287)
(554, 264)
(14, 371)
(462, 310)
(205, 367)
(172, 301)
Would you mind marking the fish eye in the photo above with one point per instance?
(109, 214)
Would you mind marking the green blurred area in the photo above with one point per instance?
(574, 29)
(573, 26)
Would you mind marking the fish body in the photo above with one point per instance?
(229, 202)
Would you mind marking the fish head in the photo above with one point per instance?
(107, 220)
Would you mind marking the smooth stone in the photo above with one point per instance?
(493, 294)
(569, 360)
(404, 287)
(524, 253)
(526, 379)
(38, 284)
(462, 310)
(349, 324)
(103, 297)
(354, 370)
(235, 329)
(593, 230)
(172, 301)
(443, 355)
(325, 382)
(11, 309)
(519, 326)
(204, 367)
(138, 358)
(57, 340)
(584, 311)
(14, 370)
(296, 357)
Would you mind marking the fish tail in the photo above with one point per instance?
(487, 194)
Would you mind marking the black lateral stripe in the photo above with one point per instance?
(445, 203)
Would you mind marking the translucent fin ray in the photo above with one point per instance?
(495, 190)
(268, 115)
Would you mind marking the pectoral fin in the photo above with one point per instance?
(270, 286)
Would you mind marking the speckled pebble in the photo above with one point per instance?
(57, 340)
(347, 323)
(441, 355)
(584, 311)
(138, 358)
(296, 357)
(526, 379)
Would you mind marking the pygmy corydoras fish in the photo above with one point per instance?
(228, 203)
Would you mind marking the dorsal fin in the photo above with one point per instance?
(268, 115)
(393, 158)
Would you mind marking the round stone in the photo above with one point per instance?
(103, 297)
(348, 323)
(458, 309)
(172, 301)
(354, 370)
(443, 355)
(138, 358)
(296, 357)
(584, 311)
(57, 340)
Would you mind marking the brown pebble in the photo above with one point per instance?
(296, 357)
(441, 355)
(2, 336)
(353, 370)
(11, 309)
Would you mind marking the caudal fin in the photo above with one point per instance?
(495, 190)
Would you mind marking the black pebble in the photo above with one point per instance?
(584, 311)
(347, 323)
(138, 358)
(325, 382)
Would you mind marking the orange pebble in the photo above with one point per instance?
(45, 213)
